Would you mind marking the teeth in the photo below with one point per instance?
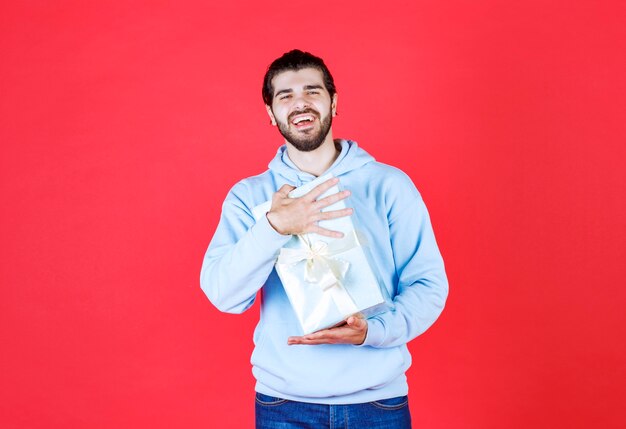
(302, 118)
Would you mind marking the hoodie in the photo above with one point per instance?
(396, 227)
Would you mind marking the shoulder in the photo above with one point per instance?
(251, 191)
(394, 182)
(392, 189)
(253, 182)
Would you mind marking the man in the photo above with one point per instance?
(351, 374)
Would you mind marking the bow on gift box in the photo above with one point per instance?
(323, 269)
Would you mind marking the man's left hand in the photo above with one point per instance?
(352, 332)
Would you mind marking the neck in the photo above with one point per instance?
(317, 161)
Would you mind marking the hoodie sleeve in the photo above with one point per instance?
(240, 257)
(422, 286)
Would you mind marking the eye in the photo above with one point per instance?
(284, 97)
(313, 92)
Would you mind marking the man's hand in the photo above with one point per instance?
(294, 216)
(353, 331)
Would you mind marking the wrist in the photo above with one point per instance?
(271, 218)
(363, 337)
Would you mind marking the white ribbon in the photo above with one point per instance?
(323, 269)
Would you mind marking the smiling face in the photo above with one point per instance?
(302, 108)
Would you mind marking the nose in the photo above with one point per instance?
(300, 102)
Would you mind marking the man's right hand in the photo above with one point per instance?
(294, 216)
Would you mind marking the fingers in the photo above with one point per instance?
(314, 227)
(333, 214)
(294, 216)
(326, 336)
(285, 189)
(325, 232)
(320, 189)
(356, 322)
(359, 324)
(331, 199)
(351, 333)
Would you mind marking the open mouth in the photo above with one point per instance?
(302, 121)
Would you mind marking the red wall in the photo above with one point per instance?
(122, 127)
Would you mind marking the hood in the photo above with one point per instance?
(350, 158)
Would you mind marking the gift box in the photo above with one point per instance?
(328, 279)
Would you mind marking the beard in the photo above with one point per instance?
(310, 140)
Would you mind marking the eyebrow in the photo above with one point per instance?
(306, 87)
(283, 91)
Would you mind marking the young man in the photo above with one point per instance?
(355, 372)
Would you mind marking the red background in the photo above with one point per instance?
(123, 125)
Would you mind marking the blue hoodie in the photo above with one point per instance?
(395, 224)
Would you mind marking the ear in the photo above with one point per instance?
(271, 114)
(333, 105)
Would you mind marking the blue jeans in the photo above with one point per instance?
(277, 413)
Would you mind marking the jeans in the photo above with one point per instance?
(277, 413)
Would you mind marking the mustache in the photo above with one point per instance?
(300, 112)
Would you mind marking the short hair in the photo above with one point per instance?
(295, 60)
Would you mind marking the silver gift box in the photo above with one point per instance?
(327, 279)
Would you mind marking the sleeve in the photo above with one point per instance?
(422, 283)
(239, 258)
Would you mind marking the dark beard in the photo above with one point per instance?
(307, 142)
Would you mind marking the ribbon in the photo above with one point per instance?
(323, 269)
